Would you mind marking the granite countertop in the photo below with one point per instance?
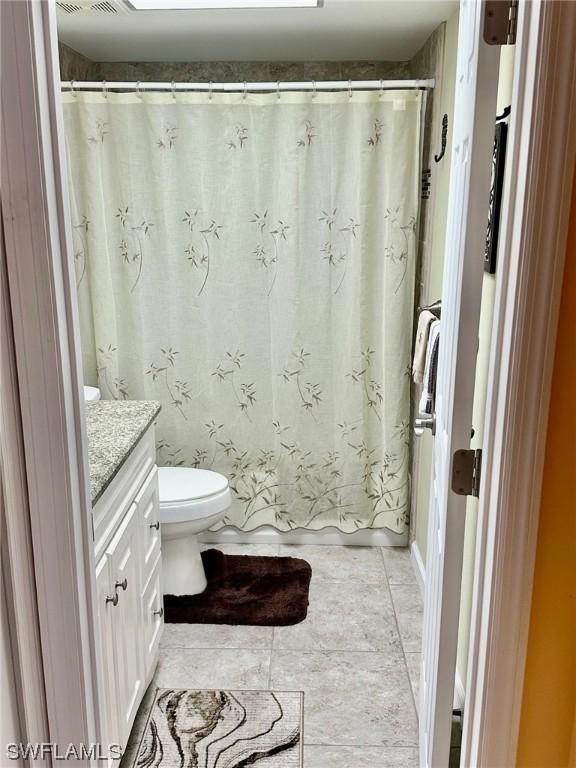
(114, 427)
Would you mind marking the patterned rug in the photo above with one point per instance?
(222, 729)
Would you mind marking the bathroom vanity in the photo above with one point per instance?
(125, 514)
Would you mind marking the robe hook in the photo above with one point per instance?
(439, 157)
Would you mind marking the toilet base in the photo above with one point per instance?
(182, 568)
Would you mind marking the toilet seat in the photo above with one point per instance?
(191, 494)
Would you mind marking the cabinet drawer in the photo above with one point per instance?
(152, 617)
(149, 521)
(111, 508)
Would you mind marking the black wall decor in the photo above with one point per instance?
(439, 156)
(498, 161)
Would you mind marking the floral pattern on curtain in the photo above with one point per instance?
(249, 262)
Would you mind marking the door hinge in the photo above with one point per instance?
(466, 472)
(500, 22)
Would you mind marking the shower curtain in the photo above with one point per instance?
(248, 260)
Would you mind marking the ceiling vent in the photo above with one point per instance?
(91, 7)
(68, 7)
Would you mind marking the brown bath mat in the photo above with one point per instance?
(245, 589)
(225, 728)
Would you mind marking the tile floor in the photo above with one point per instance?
(356, 657)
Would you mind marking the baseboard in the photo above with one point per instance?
(328, 536)
(418, 565)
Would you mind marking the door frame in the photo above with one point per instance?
(22, 633)
(47, 374)
(43, 305)
(538, 193)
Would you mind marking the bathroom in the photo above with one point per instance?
(258, 209)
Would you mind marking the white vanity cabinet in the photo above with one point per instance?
(129, 588)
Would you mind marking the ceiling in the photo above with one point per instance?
(341, 30)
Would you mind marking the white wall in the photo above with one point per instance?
(432, 272)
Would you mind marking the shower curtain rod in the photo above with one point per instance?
(309, 85)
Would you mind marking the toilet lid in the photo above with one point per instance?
(180, 484)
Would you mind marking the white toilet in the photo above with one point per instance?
(191, 501)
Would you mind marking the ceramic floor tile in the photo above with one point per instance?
(360, 757)
(413, 664)
(340, 563)
(344, 616)
(216, 636)
(213, 668)
(351, 699)
(408, 606)
(264, 550)
(399, 568)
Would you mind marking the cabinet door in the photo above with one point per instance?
(107, 609)
(124, 557)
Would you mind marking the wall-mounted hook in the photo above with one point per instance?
(439, 157)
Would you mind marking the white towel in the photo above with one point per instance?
(426, 404)
(425, 320)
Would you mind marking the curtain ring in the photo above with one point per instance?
(381, 87)
(349, 89)
(278, 89)
(210, 90)
(245, 89)
(173, 84)
(313, 89)
(72, 88)
(104, 89)
(138, 90)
